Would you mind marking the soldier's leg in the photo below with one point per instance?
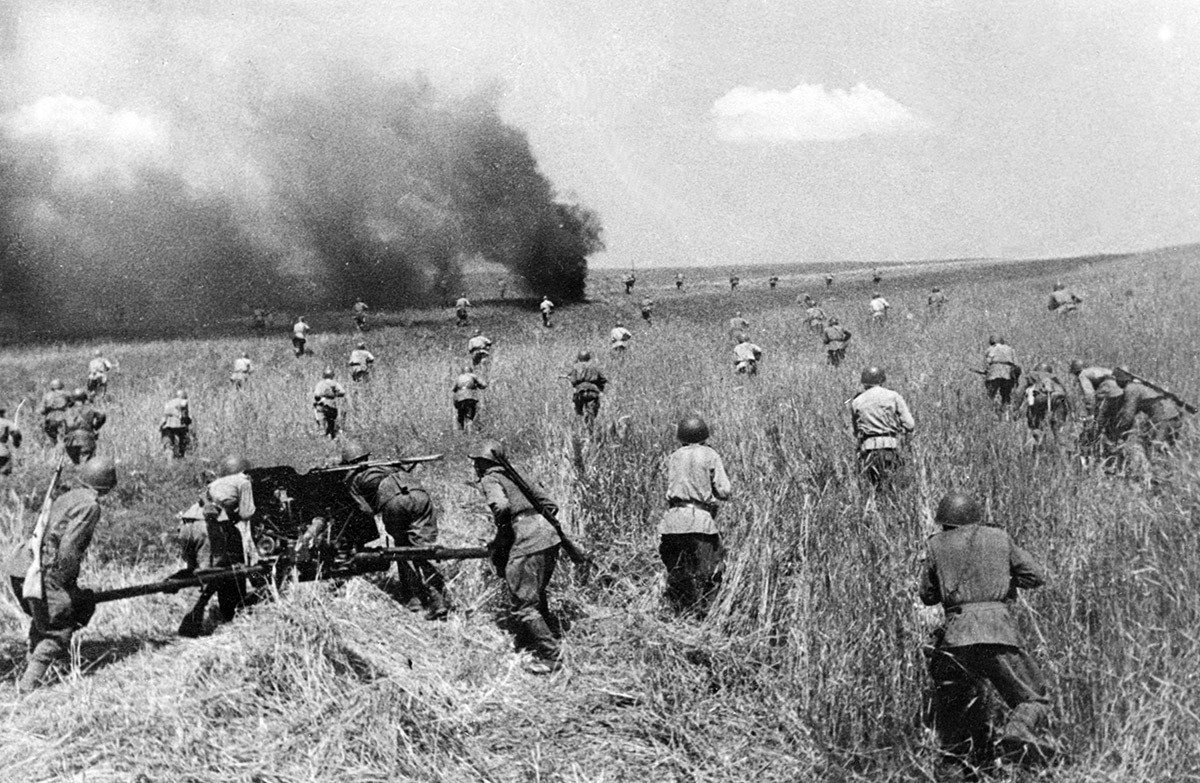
(192, 624)
(5, 462)
(710, 567)
(678, 553)
(958, 709)
(527, 577)
(412, 521)
(1019, 682)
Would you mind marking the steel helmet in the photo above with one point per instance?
(478, 331)
(692, 429)
(235, 463)
(1059, 286)
(584, 356)
(328, 373)
(958, 509)
(1044, 367)
(245, 354)
(353, 451)
(99, 473)
(1076, 367)
(833, 321)
(362, 344)
(489, 450)
(80, 394)
(181, 394)
(56, 384)
(876, 294)
(96, 353)
(873, 376)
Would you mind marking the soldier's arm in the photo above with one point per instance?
(497, 501)
(1129, 408)
(1026, 572)
(543, 499)
(906, 418)
(721, 486)
(75, 540)
(480, 383)
(357, 496)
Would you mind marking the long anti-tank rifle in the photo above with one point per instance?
(578, 555)
(404, 463)
(1187, 406)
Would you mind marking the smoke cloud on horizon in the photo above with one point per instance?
(167, 166)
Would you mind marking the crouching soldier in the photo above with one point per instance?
(1044, 400)
(974, 572)
(746, 356)
(52, 596)
(689, 544)
(82, 428)
(361, 361)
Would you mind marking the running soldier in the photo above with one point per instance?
(300, 332)
(746, 356)
(242, 368)
(1101, 401)
(835, 338)
(503, 288)
(98, 369)
(1044, 400)
(258, 320)
(1000, 373)
(10, 435)
(399, 501)
(679, 281)
(466, 394)
(1164, 419)
(217, 534)
(880, 419)
(479, 347)
(462, 310)
(524, 553)
(876, 277)
(689, 543)
(82, 428)
(936, 301)
(773, 281)
(829, 280)
(1063, 300)
(814, 316)
(588, 381)
(974, 572)
(175, 426)
(738, 326)
(879, 309)
(360, 309)
(733, 282)
(547, 307)
(361, 362)
(647, 310)
(63, 607)
(630, 279)
(53, 411)
(619, 339)
(325, 397)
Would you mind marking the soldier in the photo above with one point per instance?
(835, 338)
(524, 552)
(619, 338)
(647, 308)
(588, 381)
(503, 288)
(936, 300)
(479, 347)
(63, 607)
(773, 281)
(689, 544)
(399, 501)
(880, 419)
(360, 362)
(1001, 373)
(82, 428)
(325, 397)
(299, 336)
(1044, 399)
(1101, 400)
(1063, 300)
(547, 307)
(467, 387)
(974, 572)
(98, 369)
(679, 281)
(829, 280)
(242, 367)
(176, 423)
(745, 356)
(630, 279)
(220, 536)
(738, 326)
(54, 410)
(258, 320)
(1162, 413)
(462, 309)
(360, 309)
(879, 308)
(733, 282)
(814, 316)
(9, 434)
(876, 277)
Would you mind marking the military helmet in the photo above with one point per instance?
(353, 451)
(873, 376)
(993, 339)
(1076, 367)
(936, 289)
(362, 344)
(692, 429)
(80, 394)
(235, 463)
(583, 356)
(958, 509)
(478, 331)
(56, 384)
(328, 373)
(1059, 286)
(489, 450)
(833, 321)
(99, 473)
(245, 354)
(876, 294)
(96, 353)
(181, 394)
(1044, 367)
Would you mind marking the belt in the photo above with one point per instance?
(529, 512)
(959, 609)
(872, 443)
(700, 504)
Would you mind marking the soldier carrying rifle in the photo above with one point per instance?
(325, 397)
(82, 428)
(10, 434)
(176, 423)
(880, 419)
(1160, 407)
(54, 410)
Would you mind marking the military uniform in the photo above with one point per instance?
(480, 349)
(733, 282)
(325, 410)
(360, 315)
(97, 380)
(10, 436)
(936, 300)
(745, 358)
(1164, 417)
(835, 338)
(588, 382)
(974, 572)
(525, 552)
(1044, 399)
(360, 364)
(880, 417)
(299, 337)
(242, 367)
(467, 387)
(738, 325)
(1001, 373)
(629, 281)
(689, 544)
(175, 427)
(82, 429)
(619, 339)
(258, 320)
(814, 318)
(879, 309)
(1064, 301)
(828, 280)
(409, 518)
(64, 607)
(54, 413)
(547, 307)
(773, 281)
(219, 536)
(647, 309)
(678, 282)
(462, 311)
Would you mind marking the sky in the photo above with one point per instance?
(761, 131)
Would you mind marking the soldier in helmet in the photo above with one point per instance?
(547, 308)
(242, 368)
(835, 337)
(98, 369)
(300, 331)
(746, 356)
(54, 410)
(829, 280)
(397, 500)
(879, 308)
(619, 338)
(1163, 417)
(524, 551)
(466, 393)
(689, 543)
(1000, 373)
(773, 281)
(880, 419)
(82, 428)
(360, 362)
(1044, 400)
(462, 310)
(814, 315)
(733, 282)
(588, 382)
(479, 347)
(630, 279)
(936, 301)
(360, 315)
(679, 281)
(220, 536)
(325, 397)
(647, 310)
(63, 607)
(176, 424)
(1101, 400)
(10, 435)
(1063, 300)
(738, 326)
(974, 572)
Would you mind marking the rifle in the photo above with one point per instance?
(33, 587)
(977, 372)
(1187, 406)
(578, 555)
(404, 463)
(357, 564)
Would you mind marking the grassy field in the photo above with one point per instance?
(809, 668)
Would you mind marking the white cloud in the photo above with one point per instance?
(809, 112)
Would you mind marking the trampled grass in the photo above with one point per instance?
(810, 665)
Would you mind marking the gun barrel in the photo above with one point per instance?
(397, 554)
(199, 579)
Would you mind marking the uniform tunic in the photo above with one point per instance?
(9, 434)
(879, 307)
(879, 416)
(1164, 415)
(619, 338)
(835, 338)
(1098, 387)
(479, 345)
(746, 355)
(696, 480)
(1001, 362)
(242, 367)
